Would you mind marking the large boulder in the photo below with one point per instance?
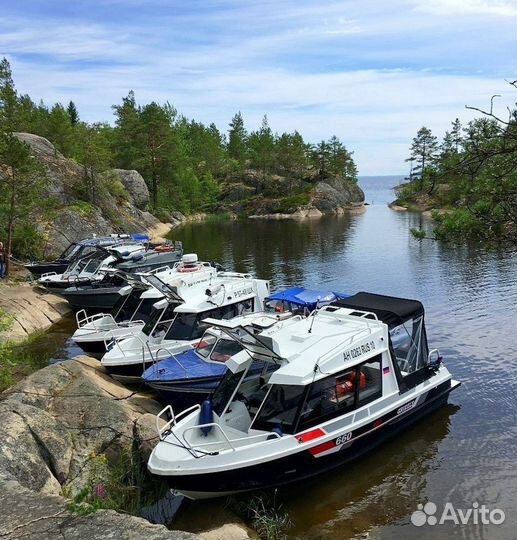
(334, 196)
(136, 187)
(114, 201)
(52, 421)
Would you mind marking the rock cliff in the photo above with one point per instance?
(85, 204)
(275, 196)
(51, 423)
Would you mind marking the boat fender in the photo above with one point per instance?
(277, 430)
(206, 416)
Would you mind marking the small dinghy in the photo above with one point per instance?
(340, 382)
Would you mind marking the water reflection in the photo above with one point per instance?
(285, 252)
(470, 292)
(381, 489)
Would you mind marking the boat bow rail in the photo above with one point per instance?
(226, 442)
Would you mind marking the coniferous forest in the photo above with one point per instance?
(186, 164)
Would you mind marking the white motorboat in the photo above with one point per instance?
(176, 322)
(346, 378)
(136, 302)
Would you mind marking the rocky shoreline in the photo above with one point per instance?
(52, 425)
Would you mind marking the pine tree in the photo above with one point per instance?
(424, 151)
(238, 139)
(22, 180)
(73, 113)
(8, 98)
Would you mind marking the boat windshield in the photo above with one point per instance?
(70, 251)
(225, 390)
(280, 408)
(92, 266)
(159, 318)
(206, 344)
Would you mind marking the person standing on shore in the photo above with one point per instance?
(2, 260)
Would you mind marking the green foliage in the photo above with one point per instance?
(6, 320)
(124, 486)
(22, 181)
(473, 174)
(113, 184)
(419, 234)
(185, 163)
(265, 514)
(289, 204)
(83, 208)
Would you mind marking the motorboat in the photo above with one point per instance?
(345, 379)
(80, 250)
(190, 376)
(101, 295)
(135, 304)
(90, 268)
(176, 322)
(193, 374)
(301, 300)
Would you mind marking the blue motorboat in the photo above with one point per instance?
(300, 300)
(188, 377)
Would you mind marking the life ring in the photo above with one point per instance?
(185, 269)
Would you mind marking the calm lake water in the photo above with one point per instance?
(464, 453)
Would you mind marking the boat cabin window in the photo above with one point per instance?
(188, 326)
(217, 349)
(341, 393)
(409, 345)
(70, 251)
(280, 408)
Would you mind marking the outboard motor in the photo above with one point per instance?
(206, 416)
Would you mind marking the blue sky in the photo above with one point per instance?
(369, 71)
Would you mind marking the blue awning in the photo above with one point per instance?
(309, 298)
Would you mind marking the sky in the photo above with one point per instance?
(371, 72)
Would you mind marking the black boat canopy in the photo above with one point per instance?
(389, 309)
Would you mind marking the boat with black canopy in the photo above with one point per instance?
(342, 381)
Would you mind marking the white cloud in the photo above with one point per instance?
(370, 72)
(505, 8)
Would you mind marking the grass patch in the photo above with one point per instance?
(116, 187)
(83, 208)
(6, 320)
(264, 514)
(124, 486)
(17, 360)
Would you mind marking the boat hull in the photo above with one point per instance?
(304, 464)
(38, 269)
(93, 300)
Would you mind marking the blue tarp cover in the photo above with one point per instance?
(195, 367)
(307, 297)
